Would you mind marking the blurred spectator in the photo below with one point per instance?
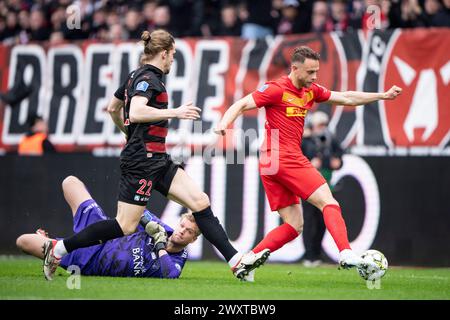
(437, 14)
(230, 24)
(260, 22)
(406, 14)
(12, 25)
(339, 18)
(133, 24)
(162, 18)
(58, 18)
(186, 17)
(356, 10)
(289, 23)
(2, 28)
(35, 142)
(117, 33)
(22, 21)
(320, 17)
(443, 16)
(99, 28)
(148, 11)
(113, 18)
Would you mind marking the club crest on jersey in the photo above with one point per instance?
(263, 88)
(142, 86)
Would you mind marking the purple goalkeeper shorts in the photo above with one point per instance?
(87, 213)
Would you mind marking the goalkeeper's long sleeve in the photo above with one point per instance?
(168, 268)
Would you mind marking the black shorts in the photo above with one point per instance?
(140, 178)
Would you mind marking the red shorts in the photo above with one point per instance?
(293, 177)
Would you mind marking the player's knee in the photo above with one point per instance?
(327, 202)
(299, 227)
(200, 202)
(127, 227)
(70, 181)
(21, 242)
(333, 202)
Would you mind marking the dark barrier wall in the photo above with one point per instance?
(412, 227)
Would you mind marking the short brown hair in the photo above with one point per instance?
(155, 42)
(304, 52)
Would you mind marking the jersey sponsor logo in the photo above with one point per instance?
(139, 198)
(138, 262)
(292, 99)
(263, 88)
(142, 86)
(296, 112)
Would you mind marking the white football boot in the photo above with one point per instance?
(348, 259)
(50, 263)
(249, 262)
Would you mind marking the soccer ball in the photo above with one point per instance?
(378, 265)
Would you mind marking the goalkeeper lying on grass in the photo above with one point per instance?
(155, 250)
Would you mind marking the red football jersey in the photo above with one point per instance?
(286, 109)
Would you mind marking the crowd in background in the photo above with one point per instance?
(24, 21)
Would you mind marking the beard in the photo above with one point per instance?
(167, 68)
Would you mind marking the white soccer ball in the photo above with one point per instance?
(377, 268)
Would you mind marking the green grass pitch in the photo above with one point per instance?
(21, 278)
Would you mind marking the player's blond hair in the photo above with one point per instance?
(155, 42)
(190, 217)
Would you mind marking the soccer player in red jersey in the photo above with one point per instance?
(285, 172)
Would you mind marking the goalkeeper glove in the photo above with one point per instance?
(158, 233)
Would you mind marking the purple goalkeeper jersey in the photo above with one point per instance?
(128, 256)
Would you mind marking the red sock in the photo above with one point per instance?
(336, 225)
(277, 238)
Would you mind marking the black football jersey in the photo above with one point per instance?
(150, 137)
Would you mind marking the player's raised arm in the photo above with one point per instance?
(357, 98)
(141, 112)
(236, 109)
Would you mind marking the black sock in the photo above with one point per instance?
(213, 231)
(93, 234)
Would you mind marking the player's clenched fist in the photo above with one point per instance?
(392, 93)
(158, 233)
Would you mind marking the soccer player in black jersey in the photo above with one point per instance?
(145, 165)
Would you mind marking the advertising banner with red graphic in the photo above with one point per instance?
(70, 85)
